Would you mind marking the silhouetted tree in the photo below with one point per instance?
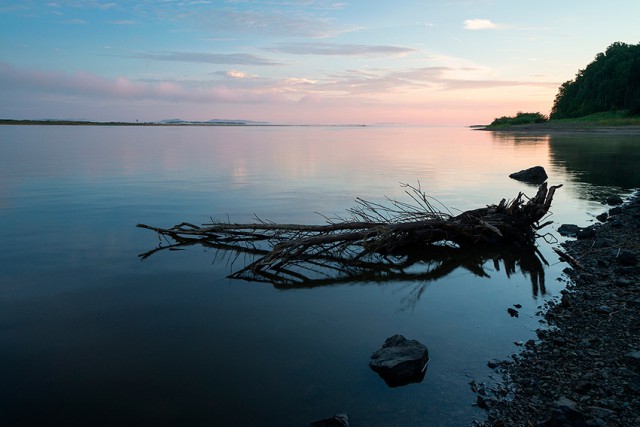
(610, 82)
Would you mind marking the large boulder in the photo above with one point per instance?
(400, 361)
(534, 175)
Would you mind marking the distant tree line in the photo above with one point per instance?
(610, 82)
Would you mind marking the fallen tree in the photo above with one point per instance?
(376, 241)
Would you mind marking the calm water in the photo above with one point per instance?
(92, 335)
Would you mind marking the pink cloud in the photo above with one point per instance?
(88, 85)
(421, 95)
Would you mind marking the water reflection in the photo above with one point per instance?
(416, 267)
(602, 161)
(598, 163)
(519, 139)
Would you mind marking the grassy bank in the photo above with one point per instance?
(609, 118)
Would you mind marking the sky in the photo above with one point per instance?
(450, 62)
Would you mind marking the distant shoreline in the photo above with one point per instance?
(13, 122)
(90, 123)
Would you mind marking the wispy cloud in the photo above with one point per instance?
(289, 23)
(75, 21)
(461, 84)
(209, 58)
(29, 83)
(235, 74)
(123, 22)
(375, 82)
(479, 24)
(105, 6)
(241, 88)
(340, 49)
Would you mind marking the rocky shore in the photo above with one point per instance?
(584, 368)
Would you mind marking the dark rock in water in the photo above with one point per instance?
(493, 363)
(400, 361)
(512, 312)
(483, 402)
(534, 175)
(338, 420)
(627, 258)
(602, 217)
(614, 200)
(569, 230)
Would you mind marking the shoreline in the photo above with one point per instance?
(11, 122)
(545, 128)
(584, 369)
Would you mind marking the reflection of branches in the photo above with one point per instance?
(379, 242)
(526, 260)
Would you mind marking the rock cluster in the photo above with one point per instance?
(584, 370)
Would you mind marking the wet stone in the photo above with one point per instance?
(569, 230)
(400, 361)
(615, 211)
(338, 420)
(533, 175)
(614, 200)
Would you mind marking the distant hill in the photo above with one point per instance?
(611, 82)
(212, 122)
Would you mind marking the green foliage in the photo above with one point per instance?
(611, 82)
(519, 119)
(606, 118)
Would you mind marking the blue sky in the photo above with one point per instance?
(422, 62)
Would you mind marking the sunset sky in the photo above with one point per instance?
(450, 62)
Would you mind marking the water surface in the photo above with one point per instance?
(92, 335)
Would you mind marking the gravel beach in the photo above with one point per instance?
(584, 368)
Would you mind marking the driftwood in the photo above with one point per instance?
(568, 258)
(377, 242)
